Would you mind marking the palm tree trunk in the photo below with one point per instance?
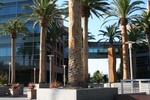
(42, 74)
(13, 76)
(75, 68)
(85, 48)
(112, 64)
(125, 52)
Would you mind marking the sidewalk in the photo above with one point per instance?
(23, 97)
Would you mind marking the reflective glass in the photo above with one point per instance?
(3, 51)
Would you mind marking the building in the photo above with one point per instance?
(27, 47)
(143, 62)
(99, 51)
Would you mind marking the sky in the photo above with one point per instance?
(94, 27)
(94, 23)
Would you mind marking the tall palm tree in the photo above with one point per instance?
(111, 35)
(13, 27)
(97, 7)
(75, 68)
(123, 10)
(44, 12)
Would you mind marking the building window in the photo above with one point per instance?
(58, 46)
(61, 62)
(62, 48)
(57, 61)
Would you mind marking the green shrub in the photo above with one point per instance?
(97, 77)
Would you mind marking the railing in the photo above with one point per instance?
(135, 86)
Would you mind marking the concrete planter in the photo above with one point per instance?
(31, 93)
(14, 92)
(77, 94)
(4, 91)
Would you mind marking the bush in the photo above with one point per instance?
(54, 84)
(98, 77)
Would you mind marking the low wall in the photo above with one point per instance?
(77, 94)
(116, 85)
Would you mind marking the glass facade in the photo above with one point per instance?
(100, 51)
(27, 47)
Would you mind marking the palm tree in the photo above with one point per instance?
(13, 27)
(97, 7)
(88, 7)
(136, 35)
(91, 36)
(111, 35)
(44, 12)
(143, 22)
(75, 68)
(123, 10)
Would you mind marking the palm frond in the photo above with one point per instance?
(124, 8)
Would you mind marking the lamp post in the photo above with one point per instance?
(50, 68)
(34, 75)
(64, 74)
(130, 53)
(9, 72)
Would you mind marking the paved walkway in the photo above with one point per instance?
(23, 97)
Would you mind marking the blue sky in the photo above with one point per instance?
(95, 23)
